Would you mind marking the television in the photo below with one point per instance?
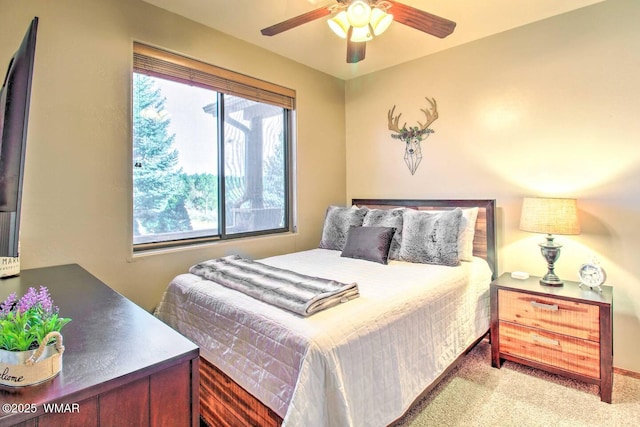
(15, 96)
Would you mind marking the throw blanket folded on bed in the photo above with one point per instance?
(301, 294)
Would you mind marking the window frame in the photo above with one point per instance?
(166, 65)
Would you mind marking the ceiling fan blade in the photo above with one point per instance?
(295, 21)
(421, 20)
(355, 51)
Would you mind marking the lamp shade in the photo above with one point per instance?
(380, 21)
(361, 34)
(340, 24)
(549, 216)
(359, 13)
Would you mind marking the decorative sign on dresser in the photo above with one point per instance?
(565, 330)
(122, 366)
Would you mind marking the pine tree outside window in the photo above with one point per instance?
(211, 152)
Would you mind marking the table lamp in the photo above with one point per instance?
(550, 216)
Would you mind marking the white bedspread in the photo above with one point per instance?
(361, 363)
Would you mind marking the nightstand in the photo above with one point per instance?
(564, 330)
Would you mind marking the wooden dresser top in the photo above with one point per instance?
(109, 342)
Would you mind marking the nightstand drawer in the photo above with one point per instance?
(560, 351)
(571, 318)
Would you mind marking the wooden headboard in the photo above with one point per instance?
(484, 241)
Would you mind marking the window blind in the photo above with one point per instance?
(159, 63)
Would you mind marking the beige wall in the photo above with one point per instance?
(77, 192)
(548, 109)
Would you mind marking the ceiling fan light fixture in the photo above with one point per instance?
(361, 34)
(339, 24)
(380, 21)
(359, 21)
(359, 13)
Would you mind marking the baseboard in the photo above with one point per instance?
(626, 373)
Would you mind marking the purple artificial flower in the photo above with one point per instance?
(31, 318)
(8, 305)
(28, 301)
(44, 299)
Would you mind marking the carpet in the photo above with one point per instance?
(475, 394)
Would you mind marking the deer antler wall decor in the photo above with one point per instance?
(413, 136)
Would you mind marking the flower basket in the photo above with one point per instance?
(25, 368)
(27, 327)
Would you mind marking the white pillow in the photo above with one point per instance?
(465, 240)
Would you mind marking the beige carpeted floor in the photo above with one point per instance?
(475, 394)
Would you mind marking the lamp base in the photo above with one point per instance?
(551, 252)
(551, 280)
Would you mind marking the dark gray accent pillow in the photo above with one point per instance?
(337, 222)
(431, 238)
(387, 218)
(369, 243)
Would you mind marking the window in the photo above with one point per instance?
(211, 152)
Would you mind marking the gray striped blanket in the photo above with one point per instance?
(301, 294)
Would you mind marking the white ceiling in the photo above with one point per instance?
(315, 45)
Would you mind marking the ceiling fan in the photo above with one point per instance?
(359, 21)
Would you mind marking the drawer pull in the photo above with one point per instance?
(548, 307)
(544, 340)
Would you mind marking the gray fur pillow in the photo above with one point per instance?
(337, 222)
(431, 238)
(387, 218)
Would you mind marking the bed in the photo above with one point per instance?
(360, 362)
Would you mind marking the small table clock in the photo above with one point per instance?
(592, 275)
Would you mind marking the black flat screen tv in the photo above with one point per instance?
(15, 97)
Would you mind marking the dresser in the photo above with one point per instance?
(566, 330)
(121, 365)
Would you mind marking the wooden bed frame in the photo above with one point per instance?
(223, 403)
